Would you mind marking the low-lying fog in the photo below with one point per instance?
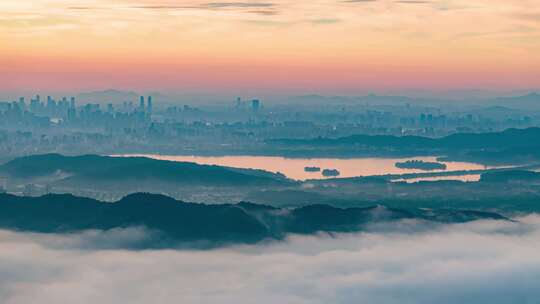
(479, 262)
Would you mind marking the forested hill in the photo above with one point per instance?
(94, 168)
(175, 222)
(510, 138)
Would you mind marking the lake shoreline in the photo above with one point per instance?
(294, 168)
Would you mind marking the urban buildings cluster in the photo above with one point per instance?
(66, 125)
(66, 112)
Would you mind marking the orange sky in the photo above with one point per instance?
(323, 46)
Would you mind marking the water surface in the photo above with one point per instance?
(294, 167)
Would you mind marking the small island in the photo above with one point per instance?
(312, 169)
(330, 172)
(420, 165)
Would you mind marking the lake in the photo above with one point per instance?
(294, 167)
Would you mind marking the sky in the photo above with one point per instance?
(316, 46)
(479, 262)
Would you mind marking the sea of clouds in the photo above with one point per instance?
(480, 262)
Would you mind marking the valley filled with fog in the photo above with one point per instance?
(478, 262)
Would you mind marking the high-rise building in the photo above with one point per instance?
(34, 105)
(22, 104)
(255, 105)
(71, 114)
(51, 104)
(141, 104)
(149, 105)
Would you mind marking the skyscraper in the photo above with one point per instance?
(255, 105)
(22, 104)
(72, 103)
(149, 105)
(141, 104)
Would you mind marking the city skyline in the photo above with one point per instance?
(331, 47)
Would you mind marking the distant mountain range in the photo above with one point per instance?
(117, 96)
(175, 222)
(529, 100)
(526, 101)
(371, 99)
(510, 138)
(511, 145)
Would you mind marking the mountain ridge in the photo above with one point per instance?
(177, 222)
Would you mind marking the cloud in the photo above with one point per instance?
(82, 8)
(397, 1)
(481, 262)
(532, 17)
(210, 5)
(237, 4)
(412, 2)
(359, 1)
(257, 8)
(264, 12)
(325, 21)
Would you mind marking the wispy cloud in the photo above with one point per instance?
(325, 21)
(359, 1)
(264, 12)
(237, 4)
(323, 35)
(257, 8)
(528, 16)
(157, 6)
(210, 5)
(413, 2)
